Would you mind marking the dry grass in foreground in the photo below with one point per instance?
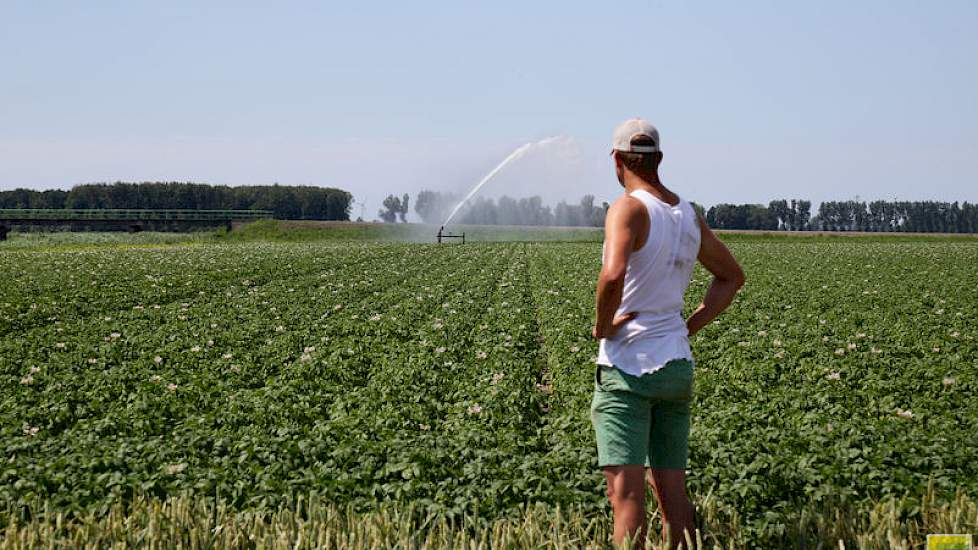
(311, 523)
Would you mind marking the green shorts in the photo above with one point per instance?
(643, 419)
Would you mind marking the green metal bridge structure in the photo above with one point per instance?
(124, 219)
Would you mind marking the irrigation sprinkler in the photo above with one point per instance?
(443, 235)
(134, 220)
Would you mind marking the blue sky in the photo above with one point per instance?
(754, 100)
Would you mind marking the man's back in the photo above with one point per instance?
(656, 279)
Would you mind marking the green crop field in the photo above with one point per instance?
(256, 393)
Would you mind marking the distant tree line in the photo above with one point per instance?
(326, 203)
(909, 216)
(875, 216)
(395, 207)
(433, 207)
(286, 201)
(778, 215)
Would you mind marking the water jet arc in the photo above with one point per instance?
(519, 152)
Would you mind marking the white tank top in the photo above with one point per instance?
(655, 285)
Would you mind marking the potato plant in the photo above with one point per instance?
(457, 379)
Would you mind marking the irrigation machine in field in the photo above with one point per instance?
(442, 235)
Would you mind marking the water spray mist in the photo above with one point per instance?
(519, 152)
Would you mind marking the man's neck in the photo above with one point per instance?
(651, 184)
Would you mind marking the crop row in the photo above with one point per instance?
(458, 378)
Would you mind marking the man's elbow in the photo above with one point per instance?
(611, 278)
(737, 278)
(732, 277)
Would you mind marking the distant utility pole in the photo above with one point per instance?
(361, 204)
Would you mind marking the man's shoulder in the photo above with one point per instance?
(627, 211)
(627, 204)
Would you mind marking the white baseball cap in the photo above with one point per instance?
(631, 129)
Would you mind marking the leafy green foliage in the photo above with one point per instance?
(458, 378)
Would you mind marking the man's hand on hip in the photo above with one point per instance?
(599, 332)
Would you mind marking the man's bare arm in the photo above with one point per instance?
(621, 233)
(727, 279)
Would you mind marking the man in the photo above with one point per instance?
(644, 376)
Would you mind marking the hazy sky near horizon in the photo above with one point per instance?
(754, 100)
